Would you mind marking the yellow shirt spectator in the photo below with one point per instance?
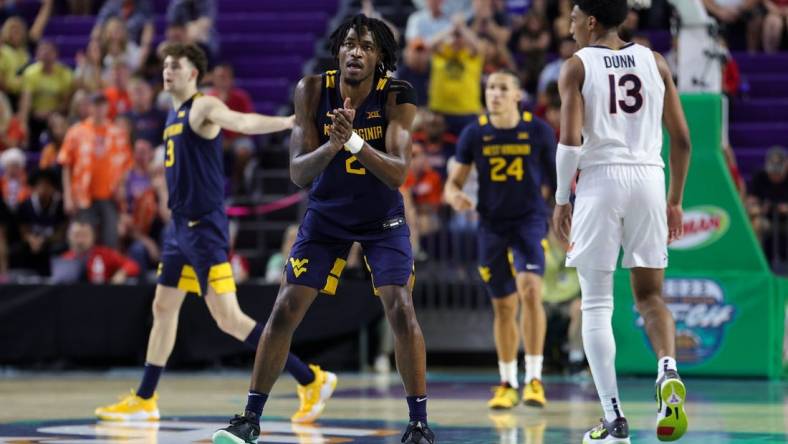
(11, 61)
(455, 81)
(49, 91)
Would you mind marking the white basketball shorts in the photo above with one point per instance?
(619, 206)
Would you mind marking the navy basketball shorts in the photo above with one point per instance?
(320, 253)
(194, 254)
(508, 249)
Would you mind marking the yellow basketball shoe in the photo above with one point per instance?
(314, 396)
(504, 398)
(533, 394)
(130, 408)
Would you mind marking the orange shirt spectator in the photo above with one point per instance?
(119, 101)
(98, 156)
(426, 187)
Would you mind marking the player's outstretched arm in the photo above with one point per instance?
(307, 158)
(211, 109)
(392, 166)
(680, 147)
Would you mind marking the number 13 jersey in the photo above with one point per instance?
(624, 96)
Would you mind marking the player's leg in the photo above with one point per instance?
(575, 338)
(390, 261)
(495, 269)
(140, 405)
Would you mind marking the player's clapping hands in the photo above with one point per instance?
(342, 124)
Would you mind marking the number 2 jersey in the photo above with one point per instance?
(513, 164)
(345, 192)
(624, 95)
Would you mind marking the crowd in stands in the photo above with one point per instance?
(83, 192)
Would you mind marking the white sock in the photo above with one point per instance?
(665, 363)
(598, 340)
(533, 367)
(576, 355)
(508, 371)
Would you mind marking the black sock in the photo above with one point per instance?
(254, 336)
(150, 379)
(417, 407)
(255, 403)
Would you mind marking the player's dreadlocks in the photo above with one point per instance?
(380, 33)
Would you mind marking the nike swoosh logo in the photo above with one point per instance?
(193, 223)
(531, 267)
(421, 399)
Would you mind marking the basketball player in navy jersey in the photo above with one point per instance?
(514, 153)
(351, 145)
(194, 256)
(615, 98)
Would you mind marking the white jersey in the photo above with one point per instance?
(624, 96)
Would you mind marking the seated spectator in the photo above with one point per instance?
(46, 88)
(562, 23)
(95, 157)
(415, 68)
(237, 99)
(562, 302)
(42, 224)
(456, 76)
(79, 108)
(13, 183)
(429, 129)
(496, 57)
(56, 132)
(97, 264)
(12, 131)
(530, 44)
(774, 24)
(118, 47)
(739, 18)
(426, 187)
(276, 263)
(769, 191)
(428, 22)
(147, 121)
(17, 45)
(89, 70)
(566, 49)
(117, 90)
(136, 14)
(199, 18)
(485, 20)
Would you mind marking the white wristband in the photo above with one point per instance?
(566, 160)
(355, 143)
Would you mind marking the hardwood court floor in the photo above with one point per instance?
(56, 408)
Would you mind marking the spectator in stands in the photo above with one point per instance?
(739, 18)
(87, 75)
(147, 121)
(46, 88)
(79, 108)
(199, 18)
(12, 131)
(276, 263)
(769, 192)
(368, 9)
(774, 24)
(429, 129)
(13, 183)
(566, 50)
(561, 24)
(118, 47)
(450, 8)
(562, 299)
(530, 43)
(485, 20)
(95, 157)
(496, 57)
(426, 187)
(17, 45)
(140, 209)
(42, 224)
(456, 75)
(428, 22)
(415, 68)
(80, 7)
(178, 33)
(56, 132)
(100, 264)
(136, 14)
(117, 90)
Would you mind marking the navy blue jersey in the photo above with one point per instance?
(193, 166)
(345, 192)
(513, 164)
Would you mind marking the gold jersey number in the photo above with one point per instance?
(501, 170)
(354, 169)
(170, 160)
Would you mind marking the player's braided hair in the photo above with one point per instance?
(609, 13)
(380, 33)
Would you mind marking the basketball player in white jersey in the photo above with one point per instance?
(614, 98)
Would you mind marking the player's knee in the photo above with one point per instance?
(164, 309)
(401, 316)
(531, 297)
(504, 312)
(286, 314)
